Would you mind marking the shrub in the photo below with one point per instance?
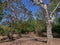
(4, 30)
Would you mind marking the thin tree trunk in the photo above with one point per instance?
(49, 25)
(49, 33)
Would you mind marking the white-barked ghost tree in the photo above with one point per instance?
(49, 17)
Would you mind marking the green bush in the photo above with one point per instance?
(17, 31)
(1, 31)
(4, 30)
(56, 29)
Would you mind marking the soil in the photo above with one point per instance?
(27, 41)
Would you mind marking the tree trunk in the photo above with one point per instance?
(49, 25)
(49, 33)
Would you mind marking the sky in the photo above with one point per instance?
(30, 6)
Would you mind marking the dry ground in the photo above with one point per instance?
(27, 41)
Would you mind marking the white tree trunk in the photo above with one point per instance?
(47, 19)
(49, 25)
(49, 33)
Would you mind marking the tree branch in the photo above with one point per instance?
(55, 9)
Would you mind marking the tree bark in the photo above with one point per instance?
(47, 18)
(49, 25)
(49, 33)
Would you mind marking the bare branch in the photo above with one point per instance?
(39, 2)
(55, 9)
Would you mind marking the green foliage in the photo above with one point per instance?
(1, 31)
(17, 26)
(56, 27)
(1, 10)
(21, 26)
(52, 5)
(58, 21)
(27, 27)
(4, 30)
